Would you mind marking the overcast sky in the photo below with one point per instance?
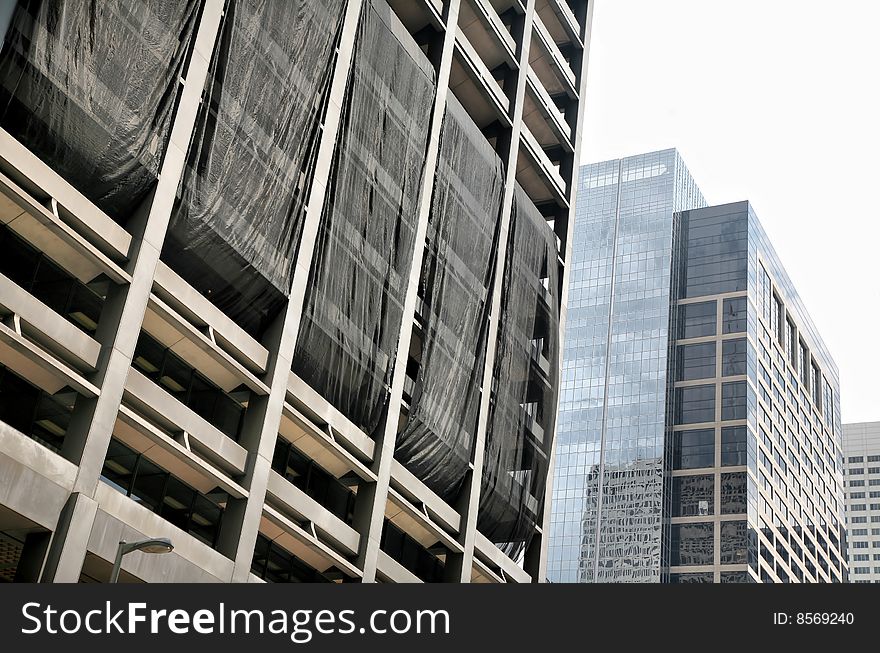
(776, 102)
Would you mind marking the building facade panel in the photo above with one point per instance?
(294, 196)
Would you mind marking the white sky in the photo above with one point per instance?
(776, 102)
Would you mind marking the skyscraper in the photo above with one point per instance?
(699, 436)
(283, 281)
(861, 450)
(613, 394)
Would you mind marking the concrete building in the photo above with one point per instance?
(284, 282)
(699, 427)
(861, 450)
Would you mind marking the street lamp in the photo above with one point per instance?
(156, 545)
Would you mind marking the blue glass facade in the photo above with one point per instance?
(608, 491)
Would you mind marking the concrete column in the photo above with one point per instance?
(67, 550)
(261, 429)
(371, 505)
(460, 569)
(536, 561)
(93, 421)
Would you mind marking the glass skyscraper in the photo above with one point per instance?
(699, 436)
(609, 467)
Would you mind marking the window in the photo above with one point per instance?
(856, 495)
(693, 449)
(862, 570)
(734, 445)
(188, 386)
(695, 404)
(693, 496)
(717, 247)
(805, 365)
(733, 493)
(312, 479)
(680, 579)
(733, 357)
(817, 387)
(776, 311)
(791, 344)
(733, 400)
(855, 459)
(856, 471)
(874, 459)
(874, 470)
(696, 361)
(691, 544)
(696, 320)
(734, 542)
(275, 564)
(860, 531)
(735, 316)
(154, 488)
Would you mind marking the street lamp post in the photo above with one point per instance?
(155, 545)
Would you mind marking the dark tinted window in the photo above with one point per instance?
(733, 400)
(734, 318)
(693, 496)
(733, 493)
(696, 361)
(693, 449)
(734, 445)
(695, 404)
(691, 544)
(715, 251)
(733, 357)
(734, 542)
(696, 320)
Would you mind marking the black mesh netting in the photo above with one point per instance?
(236, 227)
(90, 86)
(437, 439)
(353, 307)
(516, 462)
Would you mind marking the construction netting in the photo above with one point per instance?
(236, 226)
(353, 308)
(90, 87)
(525, 383)
(436, 442)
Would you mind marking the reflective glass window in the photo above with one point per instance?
(696, 320)
(695, 404)
(696, 361)
(691, 544)
(693, 449)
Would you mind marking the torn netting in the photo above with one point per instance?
(436, 442)
(236, 227)
(353, 306)
(90, 86)
(516, 455)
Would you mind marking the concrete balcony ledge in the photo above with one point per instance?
(46, 230)
(34, 481)
(201, 313)
(198, 349)
(483, 77)
(204, 438)
(394, 572)
(416, 523)
(320, 412)
(412, 489)
(494, 556)
(172, 455)
(43, 325)
(39, 367)
(320, 445)
(121, 518)
(303, 507)
(303, 544)
(20, 163)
